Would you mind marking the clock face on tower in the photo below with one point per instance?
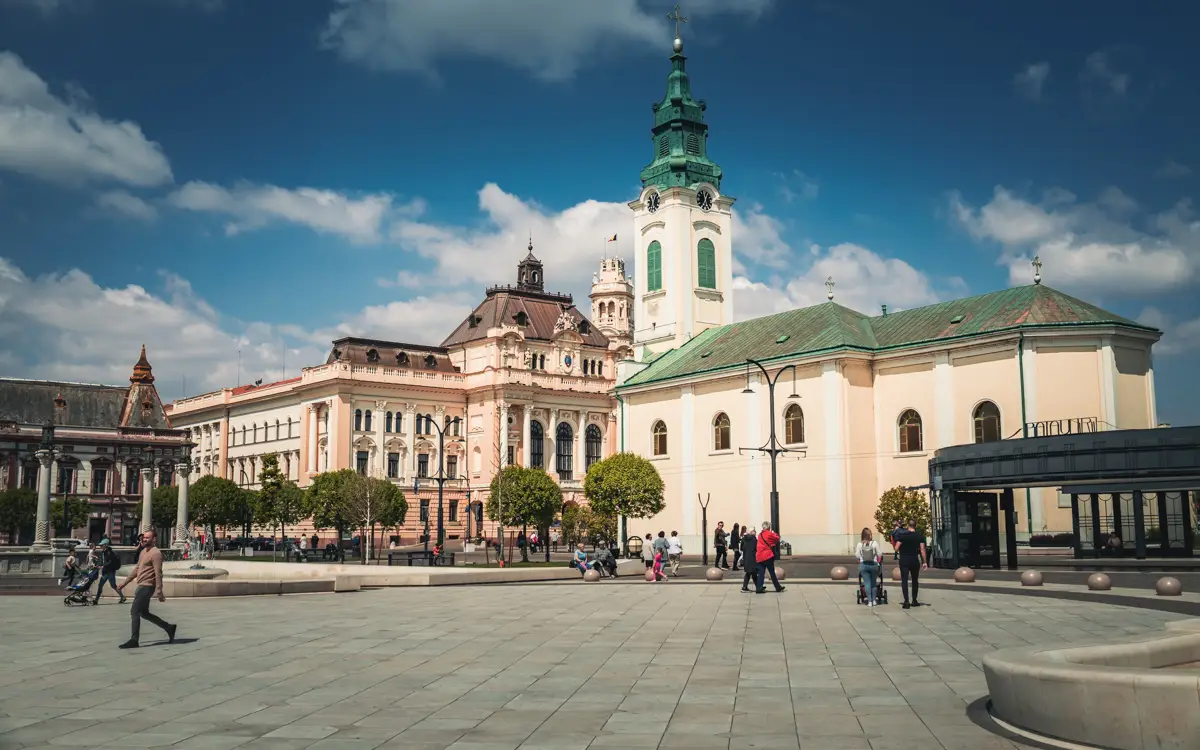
(704, 200)
(652, 202)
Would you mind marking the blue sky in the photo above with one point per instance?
(206, 176)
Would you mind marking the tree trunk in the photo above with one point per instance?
(525, 546)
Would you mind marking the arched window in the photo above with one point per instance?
(654, 267)
(358, 419)
(367, 421)
(721, 439)
(910, 432)
(706, 264)
(387, 422)
(659, 434)
(399, 423)
(592, 441)
(254, 433)
(541, 361)
(278, 434)
(793, 424)
(987, 422)
(537, 446)
(563, 445)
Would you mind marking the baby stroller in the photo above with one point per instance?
(79, 592)
(880, 594)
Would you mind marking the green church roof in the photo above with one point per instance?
(832, 327)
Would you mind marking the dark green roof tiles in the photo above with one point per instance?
(830, 326)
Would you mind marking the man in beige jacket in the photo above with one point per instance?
(148, 574)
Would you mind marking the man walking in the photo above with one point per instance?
(719, 542)
(148, 574)
(749, 547)
(109, 566)
(910, 547)
(674, 552)
(765, 557)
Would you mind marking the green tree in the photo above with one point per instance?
(530, 497)
(388, 505)
(18, 511)
(214, 502)
(247, 510)
(79, 510)
(333, 498)
(280, 502)
(624, 484)
(165, 506)
(899, 504)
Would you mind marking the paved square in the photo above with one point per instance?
(537, 667)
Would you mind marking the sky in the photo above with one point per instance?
(235, 186)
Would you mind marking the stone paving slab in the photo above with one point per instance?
(534, 667)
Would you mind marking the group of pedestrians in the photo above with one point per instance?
(908, 549)
(758, 553)
(101, 565)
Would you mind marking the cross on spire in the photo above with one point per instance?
(678, 18)
(829, 285)
(1037, 269)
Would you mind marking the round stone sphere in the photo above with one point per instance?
(1031, 578)
(1099, 582)
(780, 574)
(650, 574)
(964, 575)
(1168, 586)
(714, 574)
(896, 573)
(839, 573)
(591, 576)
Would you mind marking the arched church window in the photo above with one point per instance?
(654, 267)
(910, 432)
(659, 438)
(793, 424)
(987, 422)
(721, 437)
(706, 264)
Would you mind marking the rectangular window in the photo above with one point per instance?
(361, 461)
(424, 510)
(99, 481)
(165, 475)
(66, 479)
(654, 267)
(452, 467)
(393, 465)
(423, 465)
(512, 455)
(133, 481)
(29, 477)
(453, 511)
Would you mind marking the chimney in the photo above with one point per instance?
(884, 311)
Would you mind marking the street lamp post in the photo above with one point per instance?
(441, 477)
(772, 447)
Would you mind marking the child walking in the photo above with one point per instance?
(659, 575)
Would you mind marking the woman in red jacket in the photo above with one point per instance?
(765, 556)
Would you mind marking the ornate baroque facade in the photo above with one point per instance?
(527, 375)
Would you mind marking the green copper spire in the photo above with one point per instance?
(679, 135)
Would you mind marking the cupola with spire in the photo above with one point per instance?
(142, 373)
(529, 272)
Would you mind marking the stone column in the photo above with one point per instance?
(147, 498)
(503, 407)
(182, 470)
(314, 417)
(550, 444)
(410, 427)
(579, 469)
(380, 437)
(41, 538)
(526, 433)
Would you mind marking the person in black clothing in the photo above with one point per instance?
(110, 564)
(719, 541)
(735, 538)
(748, 545)
(911, 548)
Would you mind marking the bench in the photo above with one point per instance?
(420, 557)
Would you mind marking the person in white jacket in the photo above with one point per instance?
(869, 559)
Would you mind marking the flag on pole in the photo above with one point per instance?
(612, 239)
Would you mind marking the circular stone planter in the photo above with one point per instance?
(1031, 578)
(1168, 586)
(196, 574)
(896, 573)
(714, 574)
(1099, 582)
(839, 573)
(965, 575)
(591, 576)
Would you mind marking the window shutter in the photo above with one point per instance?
(654, 267)
(706, 263)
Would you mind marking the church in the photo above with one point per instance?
(857, 403)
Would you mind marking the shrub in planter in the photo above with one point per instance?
(1064, 540)
(1041, 540)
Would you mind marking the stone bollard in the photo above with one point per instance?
(964, 575)
(839, 573)
(896, 573)
(591, 576)
(650, 574)
(1099, 582)
(714, 575)
(1031, 578)
(1168, 586)
(780, 574)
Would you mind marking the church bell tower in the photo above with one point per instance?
(682, 224)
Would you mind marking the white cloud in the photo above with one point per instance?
(798, 186)
(1106, 246)
(420, 320)
(1098, 72)
(1181, 338)
(64, 140)
(250, 207)
(405, 279)
(127, 204)
(1173, 170)
(1031, 80)
(550, 39)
